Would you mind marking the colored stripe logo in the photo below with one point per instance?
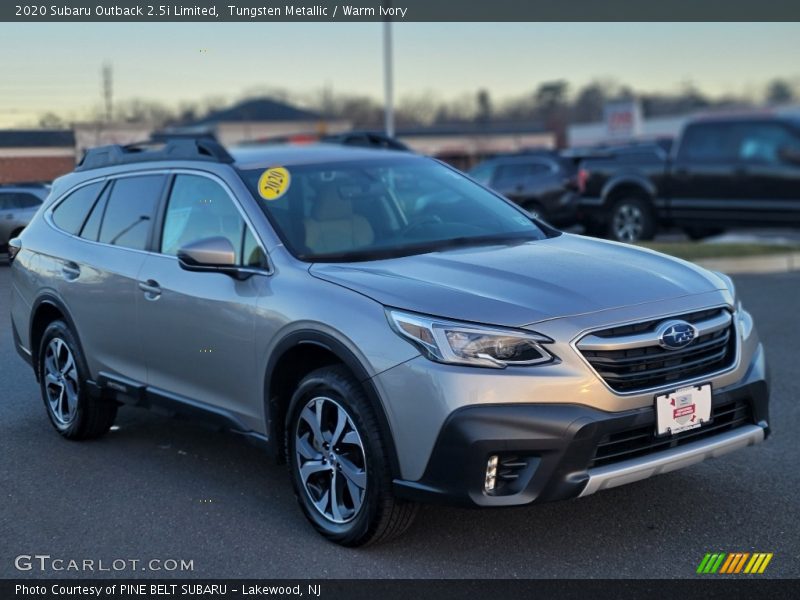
(733, 563)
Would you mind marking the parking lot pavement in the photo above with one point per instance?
(158, 488)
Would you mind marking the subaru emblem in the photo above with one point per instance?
(674, 335)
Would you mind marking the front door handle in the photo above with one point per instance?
(9, 217)
(70, 270)
(151, 289)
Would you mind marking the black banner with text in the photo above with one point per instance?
(172, 589)
(400, 10)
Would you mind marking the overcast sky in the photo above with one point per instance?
(56, 66)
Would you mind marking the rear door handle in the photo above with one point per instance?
(151, 289)
(70, 270)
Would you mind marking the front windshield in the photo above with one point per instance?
(367, 210)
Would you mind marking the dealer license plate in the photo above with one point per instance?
(684, 409)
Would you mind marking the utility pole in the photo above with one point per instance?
(107, 90)
(388, 83)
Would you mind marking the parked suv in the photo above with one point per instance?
(541, 182)
(18, 203)
(393, 330)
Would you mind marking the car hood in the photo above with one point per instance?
(524, 283)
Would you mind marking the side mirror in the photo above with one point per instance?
(214, 254)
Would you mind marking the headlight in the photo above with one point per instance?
(466, 344)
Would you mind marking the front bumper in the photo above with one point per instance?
(556, 447)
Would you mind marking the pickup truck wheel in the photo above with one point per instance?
(338, 461)
(631, 220)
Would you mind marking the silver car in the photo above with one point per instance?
(394, 331)
(18, 204)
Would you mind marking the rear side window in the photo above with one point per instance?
(26, 200)
(12, 200)
(709, 142)
(517, 172)
(91, 228)
(513, 171)
(130, 211)
(483, 173)
(70, 214)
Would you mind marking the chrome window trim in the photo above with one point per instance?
(672, 385)
(48, 214)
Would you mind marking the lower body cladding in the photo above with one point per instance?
(511, 455)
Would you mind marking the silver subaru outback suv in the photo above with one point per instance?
(394, 331)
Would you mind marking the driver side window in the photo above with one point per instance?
(200, 208)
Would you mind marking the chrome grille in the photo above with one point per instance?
(629, 358)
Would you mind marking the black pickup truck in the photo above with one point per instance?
(722, 172)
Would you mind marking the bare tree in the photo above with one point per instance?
(780, 91)
(51, 120)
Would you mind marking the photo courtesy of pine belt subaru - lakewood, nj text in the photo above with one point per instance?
(392, 329)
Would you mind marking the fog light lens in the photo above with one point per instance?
(491, 473)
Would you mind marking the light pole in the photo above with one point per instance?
(388, 83)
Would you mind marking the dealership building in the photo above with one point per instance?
(35, 154)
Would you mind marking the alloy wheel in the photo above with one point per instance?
(628, 223)
(331, 460)
(61, 381)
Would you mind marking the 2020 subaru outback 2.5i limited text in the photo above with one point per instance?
(395, 331)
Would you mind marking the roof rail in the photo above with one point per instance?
(201, 148)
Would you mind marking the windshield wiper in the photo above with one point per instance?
(488, 240)
(421, 248)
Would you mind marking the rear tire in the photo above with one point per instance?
(631, 220)
(338, 462)
(62, 379)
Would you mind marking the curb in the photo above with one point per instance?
(774, 263)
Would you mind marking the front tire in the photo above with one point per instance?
(631, 220)
(338, 462)
(62, 379)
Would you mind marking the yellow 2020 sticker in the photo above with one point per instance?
(273, 183)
